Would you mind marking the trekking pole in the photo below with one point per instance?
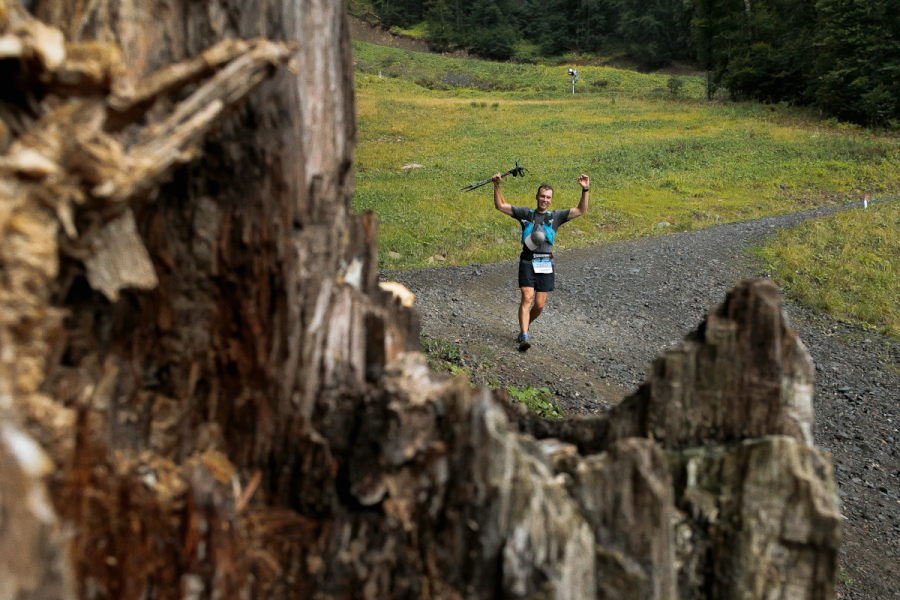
(516, 171)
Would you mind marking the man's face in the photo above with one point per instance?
(544, 198)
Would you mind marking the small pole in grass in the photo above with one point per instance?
(574, 74)
(866, 202)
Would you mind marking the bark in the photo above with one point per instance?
(33, 561)
(749, 20)
(224, 402)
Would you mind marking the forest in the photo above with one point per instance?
(840, 56)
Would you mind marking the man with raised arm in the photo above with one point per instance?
(539, 225)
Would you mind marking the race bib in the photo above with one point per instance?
(542, 265)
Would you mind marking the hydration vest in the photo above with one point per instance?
(528, 229)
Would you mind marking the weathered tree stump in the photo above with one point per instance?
(204, 391)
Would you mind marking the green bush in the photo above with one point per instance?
(494, 42)
(675, 85)
(526, 51)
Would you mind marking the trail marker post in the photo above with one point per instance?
(575, 77)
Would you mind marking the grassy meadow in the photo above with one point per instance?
(659, 162)
(847, 265)
(652, 158)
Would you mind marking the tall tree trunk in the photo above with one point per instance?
(749, 20)
(204, 391)
(259, 298)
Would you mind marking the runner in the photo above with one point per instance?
(536, 271)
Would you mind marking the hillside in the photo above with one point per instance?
(838, 57)
(661, 160)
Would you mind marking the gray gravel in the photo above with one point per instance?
(617, 305)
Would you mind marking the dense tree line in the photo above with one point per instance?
(842, 56)
(654, 31)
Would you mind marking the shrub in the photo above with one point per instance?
(674, 85)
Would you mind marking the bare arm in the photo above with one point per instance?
(499, 203)
(585, 182)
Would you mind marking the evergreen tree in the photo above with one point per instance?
(720, 30)
(590, 23)
(543, 23)
(774, 60)
(656, 31)
(492, 31)
(857, 71)
(558, 26)
(440, 18)
(402, 13)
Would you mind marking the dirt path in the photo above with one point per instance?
(616, 306)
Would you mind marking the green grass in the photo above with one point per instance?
(651, 158)
(361, 8)
(442, 355)
(418, 31)
(844, 579)
(445, 356)
(469, 78)
(537, 400)
(847, 265)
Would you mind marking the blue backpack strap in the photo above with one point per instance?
(527, 226)
(548, 228)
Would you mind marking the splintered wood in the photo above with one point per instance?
(119, 259)
(67, 168)
(69, 182)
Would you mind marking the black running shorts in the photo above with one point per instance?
(541, 282)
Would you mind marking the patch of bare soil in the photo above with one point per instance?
(616, 306)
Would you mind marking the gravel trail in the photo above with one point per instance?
(617, 305)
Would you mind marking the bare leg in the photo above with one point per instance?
(540, 299)
(525, 308)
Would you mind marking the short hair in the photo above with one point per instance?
(543, 186)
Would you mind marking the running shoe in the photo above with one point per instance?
(524, 344)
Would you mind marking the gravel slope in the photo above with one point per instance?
(617, 305)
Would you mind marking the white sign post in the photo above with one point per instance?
(575, 77)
